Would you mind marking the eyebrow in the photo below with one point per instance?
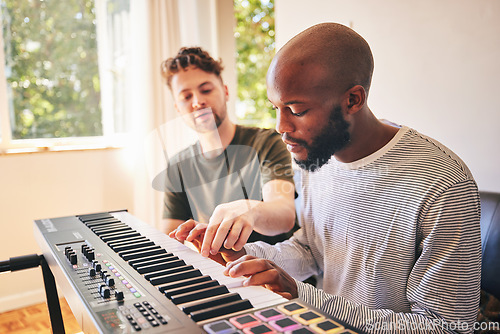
(199, 86)
(293, 102)
(205, 83)
(290, 102)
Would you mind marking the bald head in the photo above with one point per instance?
(342, 54)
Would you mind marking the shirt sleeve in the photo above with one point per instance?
(444, 284)
(176, 203)
(292, 255)
(176, 206)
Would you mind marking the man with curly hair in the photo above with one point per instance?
(238, 180)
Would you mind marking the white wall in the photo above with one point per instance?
(437, 67)
(47, 185)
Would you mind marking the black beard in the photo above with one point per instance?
(332, 138)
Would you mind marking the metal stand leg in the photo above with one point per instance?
(56, 319)
(33, 261)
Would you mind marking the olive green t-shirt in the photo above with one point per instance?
(195, 185)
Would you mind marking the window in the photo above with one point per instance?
(63, 65)
(255, 46)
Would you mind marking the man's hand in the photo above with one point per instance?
(263, 272)
(194, 232)
(190, 230)
(230, 226)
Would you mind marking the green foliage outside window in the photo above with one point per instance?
(255, 46)
(51, 68)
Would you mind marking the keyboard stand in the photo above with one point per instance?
(33, 261)
(56, 320)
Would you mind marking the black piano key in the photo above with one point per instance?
(132, 245)
(183, 283)
(138, 250)
(105, 232)
(199, 294)
(161, 266)
(102, 222)
(210, 302)
(94, 216)
(175, 277)
(107, 226)
(114, 229)
(96, 219)
(191, 288)
(143, 253)
(150, 260)
(126, 240)
(167, 272)
(221, 310)
(118, 236)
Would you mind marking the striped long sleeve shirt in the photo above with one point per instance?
(395, 237)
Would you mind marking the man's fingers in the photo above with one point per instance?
(182, 231)
(209, 237)
(234, 235)
(262, 272)
(243, 238)
(177, 234)
(196, 233)
(247, 266)
(268, 277)
(231, 264)
(286, 295)
(221, 233)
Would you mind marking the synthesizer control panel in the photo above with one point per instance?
(99, 287)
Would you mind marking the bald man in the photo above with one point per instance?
(390, 217)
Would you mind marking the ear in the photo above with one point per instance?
(176, 107)
(226, 91)
(356, 99)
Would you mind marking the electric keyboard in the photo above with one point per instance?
(120, 275)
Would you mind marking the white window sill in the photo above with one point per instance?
(63, 145)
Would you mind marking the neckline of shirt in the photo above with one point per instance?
(199, 154)
(375, 155)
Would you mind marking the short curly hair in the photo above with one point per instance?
(190, 56)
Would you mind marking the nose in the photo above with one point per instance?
(283, 122)
(198, 102)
